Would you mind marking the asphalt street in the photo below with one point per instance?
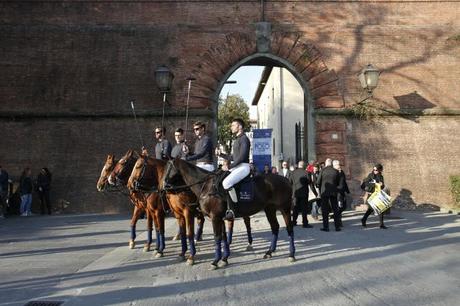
(85, 260)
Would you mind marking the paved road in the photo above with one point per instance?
(84, 260)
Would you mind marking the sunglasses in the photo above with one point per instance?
(375, 170)
(157, 132)
(196, 129)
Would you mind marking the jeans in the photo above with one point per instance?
(26, 203)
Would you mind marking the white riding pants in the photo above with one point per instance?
(237, 174)
(209, 167)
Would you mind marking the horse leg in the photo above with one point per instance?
(270, 212)
(190, 223)
(200, 225)
(183, 237)
(247, 222)
(161, 230)
(230, 224)
(136, 214)
(149, 231)
(290, 230)
(217, 226)
(226, 246)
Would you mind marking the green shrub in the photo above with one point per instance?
(455, 189)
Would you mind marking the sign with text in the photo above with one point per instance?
(262, 148)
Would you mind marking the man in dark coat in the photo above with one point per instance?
(299, 180)
(285, 170)
(163, 147)
(328, 183)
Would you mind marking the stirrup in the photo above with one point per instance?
(229, 215)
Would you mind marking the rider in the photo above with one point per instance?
(179, 148)
(163, 147)
(203, 148)
(239, 168)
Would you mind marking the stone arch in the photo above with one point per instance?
(301, 58)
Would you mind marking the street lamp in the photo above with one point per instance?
(163, 78)
(369, 78)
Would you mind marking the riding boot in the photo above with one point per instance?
(231, 201)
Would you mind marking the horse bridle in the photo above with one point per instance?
(168, 187)
(137, 183)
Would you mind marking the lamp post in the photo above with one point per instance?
(163, 79)
(369, 79)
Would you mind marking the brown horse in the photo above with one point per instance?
(145, 176)
(271, 193)
(114, 176)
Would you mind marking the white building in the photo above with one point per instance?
(280, 105)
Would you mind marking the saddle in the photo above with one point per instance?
(244, 188)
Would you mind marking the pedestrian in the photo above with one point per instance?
(368, 185)
(300, 182)
(310, 166)
(314, 195)
(254, 171)
(266, 169)
(202, 153)
(342, 189)
(239, 168)
(179, 148)
(25, 189)
(274, 170)
(43, 188)
(328, 182)
(285, 170)
(4, 191)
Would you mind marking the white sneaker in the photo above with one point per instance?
(24, 214)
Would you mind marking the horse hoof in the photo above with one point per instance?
(177, 237)
(190, 261)
(249, 247)
(146, 247)
(213, 267)
(132, 244)
(291, 259)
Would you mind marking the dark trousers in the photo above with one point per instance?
(45, 200)
(3, 197)
(368, 212)
(328, 204)
(300, 205)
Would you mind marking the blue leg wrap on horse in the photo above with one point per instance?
(249, 236)
(133, 232)
(226, 249)
(229, 235)
(218, 251)
(274, 241)
(199, 231)
(162, 242)
(183, 242)
(191, 241)
(158, 240)
(291, 245)
(149, 236)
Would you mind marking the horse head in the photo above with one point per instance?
(123, 168)
(105, 173)
(171, 175)
(145, 174)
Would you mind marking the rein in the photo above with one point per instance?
(186, 186)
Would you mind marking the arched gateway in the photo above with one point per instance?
(287, 50)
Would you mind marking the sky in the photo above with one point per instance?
(247, 78)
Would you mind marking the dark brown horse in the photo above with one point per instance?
(271, 193)
(114, 176)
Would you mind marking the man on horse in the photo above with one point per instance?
(163, 147)
(179, 149)
(202, 153)
(239, 168)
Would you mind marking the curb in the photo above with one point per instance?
(453, 211)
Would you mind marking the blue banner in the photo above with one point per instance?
(262, 148)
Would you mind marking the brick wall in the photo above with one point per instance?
(78, 59)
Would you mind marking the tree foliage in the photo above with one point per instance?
(233, 106)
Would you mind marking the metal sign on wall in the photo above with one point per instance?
(262, 148)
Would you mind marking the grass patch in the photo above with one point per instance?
(455, 189)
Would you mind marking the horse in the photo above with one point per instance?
(271, 193)
(113, 176)
(183, 202)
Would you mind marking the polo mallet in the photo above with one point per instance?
(137, 124)
(189, 79)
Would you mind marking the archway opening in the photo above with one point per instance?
(277, 99)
